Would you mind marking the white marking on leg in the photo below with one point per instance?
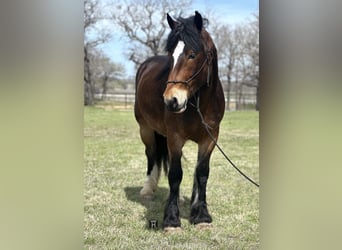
(196, 198)
(178, 50)
(181, 198)
(155, 173)
(151, 183)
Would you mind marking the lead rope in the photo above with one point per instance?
(207, 127)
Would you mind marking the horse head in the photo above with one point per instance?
(191, 57)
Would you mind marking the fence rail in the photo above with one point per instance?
(127, 99)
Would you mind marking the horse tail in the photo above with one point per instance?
(162, 152)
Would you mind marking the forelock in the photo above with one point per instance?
(185, 31)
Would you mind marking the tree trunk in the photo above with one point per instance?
(228, 89)
(240, 95)
(104, 86)
(88, 86)
(236, 95)
(257, 107)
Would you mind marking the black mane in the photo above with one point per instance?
(185, 31)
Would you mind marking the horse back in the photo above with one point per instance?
(157, 67)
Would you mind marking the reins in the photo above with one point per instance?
(207, 127)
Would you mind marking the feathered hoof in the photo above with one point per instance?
(203, 226)
(146, 193)
(171, 230)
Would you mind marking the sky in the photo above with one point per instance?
(227, 11)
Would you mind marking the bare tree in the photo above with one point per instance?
(144, 25)
(104, 71)
(240, 58)
(227, 46)
(88, 86)
(94, 36)
(252, 51)
(238, 54)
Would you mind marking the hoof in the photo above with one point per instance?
(171, 230)
(146, 197)
(146, 193)
(203, 225)
(150, 186)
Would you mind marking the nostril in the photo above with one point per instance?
(174, 102)
(171, 103)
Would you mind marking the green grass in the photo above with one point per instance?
(115, 165)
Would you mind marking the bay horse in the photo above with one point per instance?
(170, 90)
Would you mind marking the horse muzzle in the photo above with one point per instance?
(176, 102)
(174, 105)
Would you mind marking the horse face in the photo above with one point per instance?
(182, 84)
(186, 75)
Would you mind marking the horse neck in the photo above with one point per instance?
(208, 91)
(210, 48)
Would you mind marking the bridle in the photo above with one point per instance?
(207, 60)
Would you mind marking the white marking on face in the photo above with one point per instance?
(176, 53)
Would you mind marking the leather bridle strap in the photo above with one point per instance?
(196, 74)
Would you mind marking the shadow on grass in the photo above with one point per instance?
(155, 207)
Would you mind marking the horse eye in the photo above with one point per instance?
(192, 55)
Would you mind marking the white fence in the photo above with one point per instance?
(126, 100)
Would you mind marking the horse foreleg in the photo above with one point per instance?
(171, 212)
(199, 212)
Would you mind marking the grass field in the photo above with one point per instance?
(115, 166)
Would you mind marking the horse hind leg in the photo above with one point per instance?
(151, 182)
(152, 176)
(156, 155)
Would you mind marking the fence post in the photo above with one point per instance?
(126, 101)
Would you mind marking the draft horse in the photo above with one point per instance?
(170, 90)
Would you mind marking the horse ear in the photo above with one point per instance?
(198, 21)
(170, 21)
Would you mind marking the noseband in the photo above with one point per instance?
(186, 82)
